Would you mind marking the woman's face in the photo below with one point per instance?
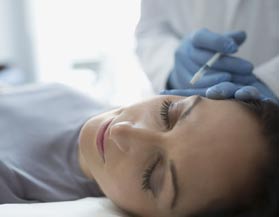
(173, 155)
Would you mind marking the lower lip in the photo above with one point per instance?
(100, 139)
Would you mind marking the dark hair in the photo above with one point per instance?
(265, 202)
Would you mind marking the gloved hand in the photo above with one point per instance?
(255, 90)
(230, 77)
(197, 49)
(225, 90)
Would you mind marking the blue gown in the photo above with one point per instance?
(39, 132)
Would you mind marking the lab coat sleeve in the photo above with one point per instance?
(268, 73)
(156, 43)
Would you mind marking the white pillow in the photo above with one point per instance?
(88, 207)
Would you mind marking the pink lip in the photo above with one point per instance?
(102, 138)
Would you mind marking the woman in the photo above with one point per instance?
(166, 156)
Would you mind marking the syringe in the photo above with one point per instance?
(197, 76)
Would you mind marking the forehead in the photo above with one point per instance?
(217, 119)
(211, 148)
(212, 120)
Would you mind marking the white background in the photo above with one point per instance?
(50, 37)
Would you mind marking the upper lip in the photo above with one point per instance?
(102, 137)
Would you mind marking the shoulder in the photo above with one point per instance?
(41, 92)
(9, 185)
(29, 88)
(52, 98)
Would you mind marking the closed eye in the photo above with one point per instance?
(164, 113)
(146, 185)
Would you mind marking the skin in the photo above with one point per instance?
(217, 150)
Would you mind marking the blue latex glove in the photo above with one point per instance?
(197, 49)
(255, 90)
(235, 81)
(226, 90)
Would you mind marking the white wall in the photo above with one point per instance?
(45, 38)
(66, 32)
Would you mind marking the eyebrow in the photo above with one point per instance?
(172, 165)
(188, 111)
(175, 185)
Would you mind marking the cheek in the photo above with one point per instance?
(121, 177)
(120, 185)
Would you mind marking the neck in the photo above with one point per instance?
(83, 165)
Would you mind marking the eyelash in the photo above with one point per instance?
(147, 175)
(164, 112)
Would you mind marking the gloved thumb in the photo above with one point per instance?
(247, 92)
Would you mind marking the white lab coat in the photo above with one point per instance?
(164, 23)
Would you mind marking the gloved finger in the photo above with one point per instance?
(187, 63)
(264, 90)
(234, 64)
(184, 92)
(243, 79)
(268, 99)
(224, 90)
(186, 71)
(238, 36)
(184, 68)
(225, 63)
(247, 92)
(211, 78)
(212, 41)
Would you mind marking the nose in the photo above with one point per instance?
(129, 136)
